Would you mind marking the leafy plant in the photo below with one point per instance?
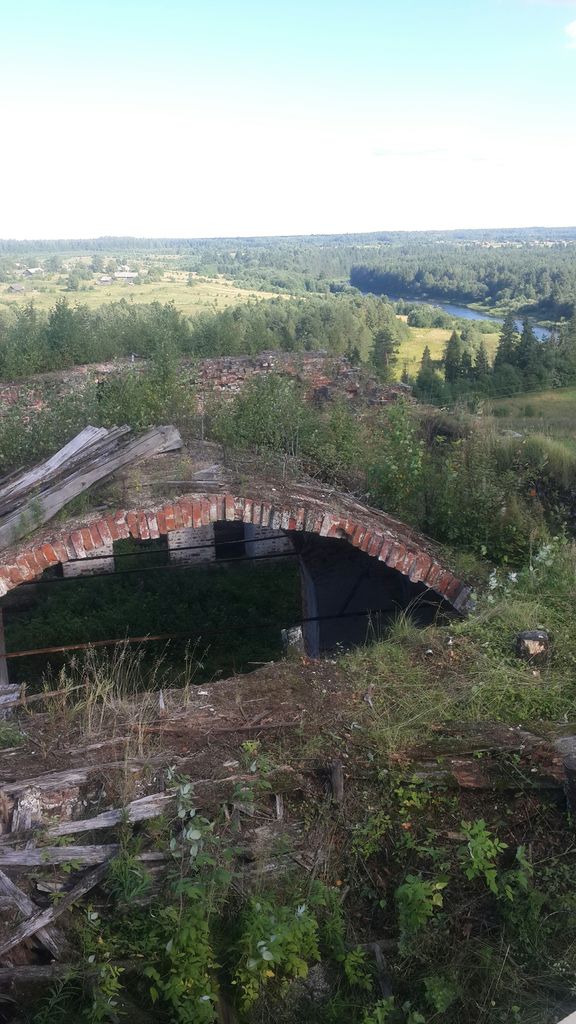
(478, 857)
(417, 900)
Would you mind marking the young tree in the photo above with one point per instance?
(384, 353)
(507, 345)
(453, 358)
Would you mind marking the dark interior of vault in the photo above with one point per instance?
(228, 593)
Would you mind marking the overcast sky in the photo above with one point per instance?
(181, 118)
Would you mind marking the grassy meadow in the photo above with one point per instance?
(411, 352)
(546, 412)
(205, 294)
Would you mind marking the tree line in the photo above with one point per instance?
(521, 363)
(539, 280)
(32, 341)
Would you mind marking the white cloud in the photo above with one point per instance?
(570, 31)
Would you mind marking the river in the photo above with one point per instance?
(465, 313)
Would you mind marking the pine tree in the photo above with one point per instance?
(482, 363)
(453, 358)
(507, 345)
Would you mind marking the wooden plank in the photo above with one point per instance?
(41, 856)
(45, 505)
(42, 973)
(32, 477)
(51, 937)
(45, 917)
(138, 810)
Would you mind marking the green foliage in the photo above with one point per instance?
(480, 853)
(367, 837)
(277, 942)
(417, 900)
(396, 473)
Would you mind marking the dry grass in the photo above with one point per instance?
(206, 294)
(548, 412)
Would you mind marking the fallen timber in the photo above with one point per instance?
(37, 495)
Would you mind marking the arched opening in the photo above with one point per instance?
(232, 575)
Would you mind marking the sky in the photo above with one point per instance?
(186, 119)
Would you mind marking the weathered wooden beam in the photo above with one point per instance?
(46, 504)
(51, 937)
(42, 856)
(138, 810)
(45, 917)
(42, 973)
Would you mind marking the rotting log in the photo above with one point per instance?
(337, 782)
(42, 856)
(138, 810)
(45, 917)
(51, 937)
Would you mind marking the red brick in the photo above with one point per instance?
(386, 547)
(257, 513)
(366, 541)
(104, 531)
(40, 559)
(13, 575)
(24, 569)
(421, 567)
(178, 516)
(196, 514)
(433, 575)
(161, 521)
(95, 534)
(239, 509)
(187, 516)
(300, 519)
(452, 589)
(248, 508)
(153, 529)
(133, 525)
(444, 579)
(89, 544)
(266, 513)
(143, 530)
(62, 549)
(49, 554)
(121, 524)
(375, 545)
(169, 518)
(276, 519)
(358, 536)
(229, 510)
(78, 544)
(206, 520)
(220, 509)
(395, 555)
(28, 558)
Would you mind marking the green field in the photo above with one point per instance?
(546, 412)
(410, 353)
(205, 293)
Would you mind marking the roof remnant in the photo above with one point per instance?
(32, 498)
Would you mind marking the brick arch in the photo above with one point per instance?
(377, 535)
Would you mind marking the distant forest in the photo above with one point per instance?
(531, 270)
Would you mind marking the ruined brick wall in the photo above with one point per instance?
(323, 376)
(378, 536)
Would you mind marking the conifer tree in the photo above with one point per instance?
(453, 358)
(507, 345)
